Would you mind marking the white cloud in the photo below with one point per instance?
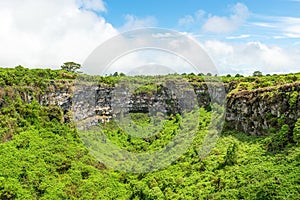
(282, 27)
(95, 5)
(243, 36)
(133, 22)
(289, 26)
(47, 33)
(152, 46)
(162, 35)
(293, 31)
(248, 57)
(263, 24)
(217, 24)
(186, 20)
(189, 20)
(149, 60)
(199, 14)
(296, 43)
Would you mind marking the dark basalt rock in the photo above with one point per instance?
(253, 112)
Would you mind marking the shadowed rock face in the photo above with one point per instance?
(257, 111)
(253, 112)
(112, 102)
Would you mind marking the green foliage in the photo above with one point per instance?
(278, 140)
(46, 160)
(42, 157)
(23, 77)
(141, 119)
(293, 99)
(238, 75)
(257, 73)
(259, 82)
(231, 155)
(296, 132)
(148, 89)
(108, 80)
(71, 66)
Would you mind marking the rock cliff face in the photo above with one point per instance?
(254, 112)
(257, 111)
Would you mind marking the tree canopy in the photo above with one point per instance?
(257, 73)
(71, 67)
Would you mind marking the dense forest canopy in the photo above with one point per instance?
(42, 156)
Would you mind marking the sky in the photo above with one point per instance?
(239, 36)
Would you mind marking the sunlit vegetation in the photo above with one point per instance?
(42, 157)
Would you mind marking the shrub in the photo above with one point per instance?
(293, 99)
(296, 132)
(230, 157)
(277, 141)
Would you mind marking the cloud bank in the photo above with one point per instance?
(134, 22)
(47, 33)
(217, 24)
(247, 57)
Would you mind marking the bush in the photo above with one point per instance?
(293, 99)
(277, 141)
(296, 132)
(231, 155)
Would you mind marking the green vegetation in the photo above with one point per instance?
(257, 73)
(296, 132)
(278, 140)
(20, 76)
(293, 99)
(71, 67)
(42, 157)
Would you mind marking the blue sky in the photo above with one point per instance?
(266, 19)
(240, 36)
(169, 11)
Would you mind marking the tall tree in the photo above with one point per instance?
(71, 66)
(257, 73)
